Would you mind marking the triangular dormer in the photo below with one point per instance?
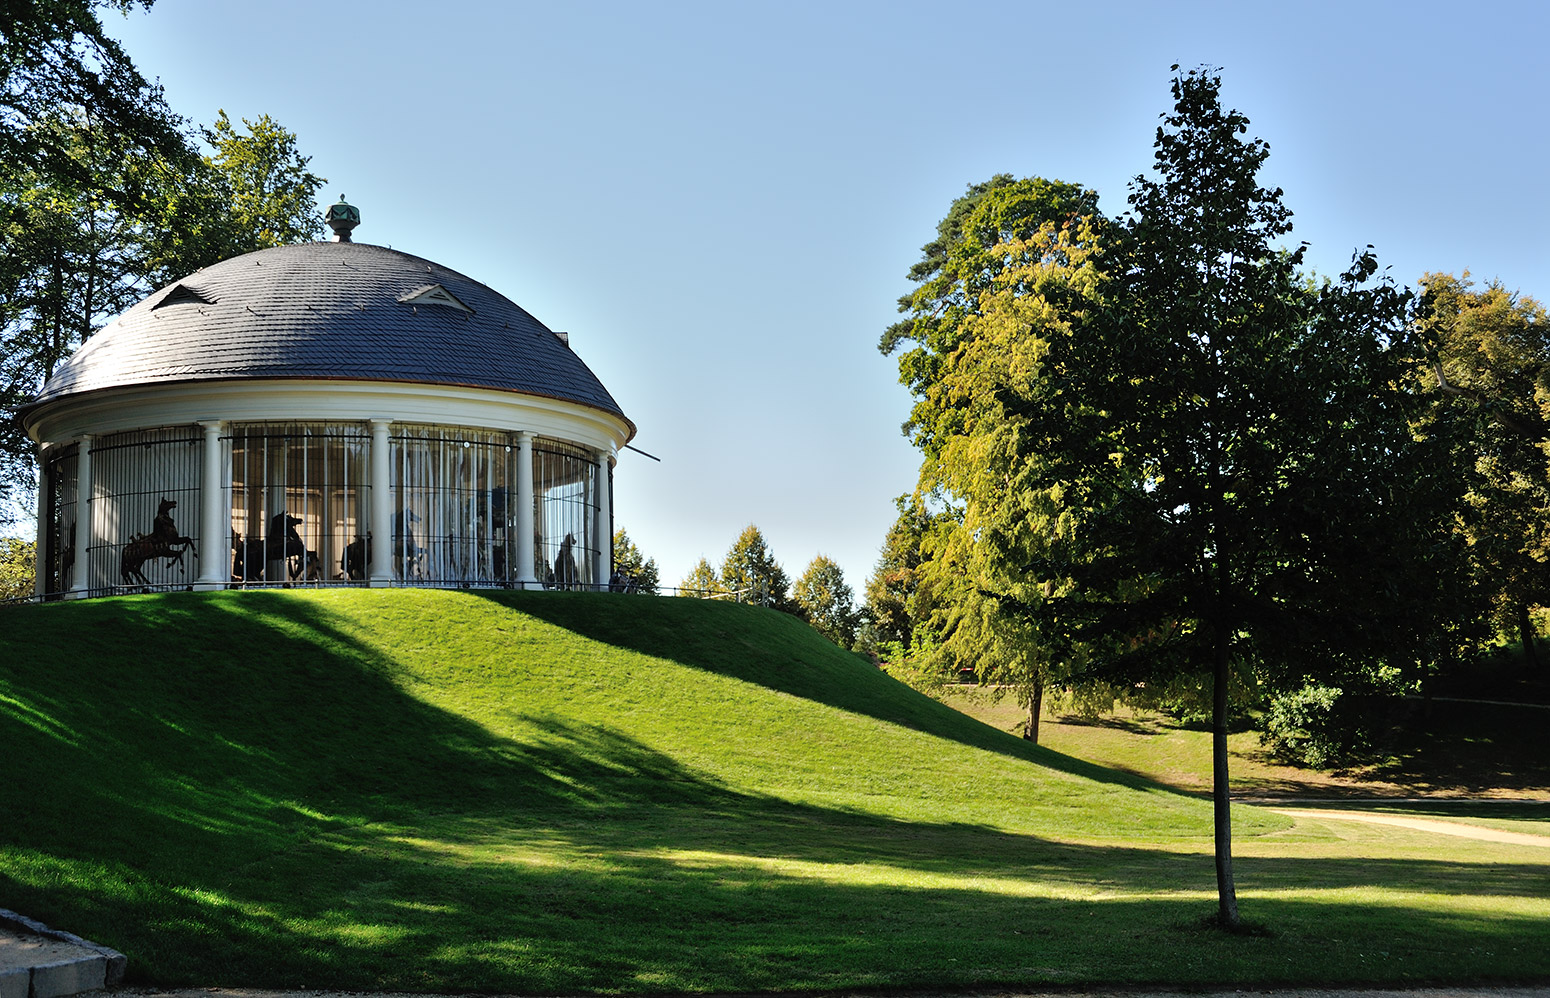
(433, 294)
(182, 294)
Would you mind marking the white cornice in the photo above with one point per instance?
(142, 407)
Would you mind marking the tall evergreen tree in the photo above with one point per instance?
(827, 601)
(751, 572)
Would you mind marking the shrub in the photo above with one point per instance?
(1319, 727)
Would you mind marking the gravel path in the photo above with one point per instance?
(1458, 829)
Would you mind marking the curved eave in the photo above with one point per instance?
(165, 403)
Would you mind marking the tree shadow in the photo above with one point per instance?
(271, 787)
(782, 653)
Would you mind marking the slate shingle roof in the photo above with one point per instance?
(329, 310)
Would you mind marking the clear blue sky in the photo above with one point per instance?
(719, 201)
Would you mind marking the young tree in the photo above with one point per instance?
(1179, 457)
(827, 601)
(628, 561)
(702, 581)
(751, 572)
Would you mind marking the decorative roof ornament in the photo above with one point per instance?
(342, 217)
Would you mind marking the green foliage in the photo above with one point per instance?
(113, 217)
(827, 601)
(899, 598)
(985, 232)
(252, 191)
(1316, 726)
(1175, 457)
(54, 58)
(1490, 367)
(18, 568)
(628, 561)
(751, 572)
(702, 581)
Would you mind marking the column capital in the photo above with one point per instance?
(380, 422)
(212, 424)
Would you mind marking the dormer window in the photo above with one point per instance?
(433, 294)
(182, 294)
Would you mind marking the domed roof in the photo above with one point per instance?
(337, 311)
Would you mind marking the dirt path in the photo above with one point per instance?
(1462, 831)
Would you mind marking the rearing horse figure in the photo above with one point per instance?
(163, 541)
(283, 543)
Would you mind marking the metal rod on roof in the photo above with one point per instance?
(639, 451)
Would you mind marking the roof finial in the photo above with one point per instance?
(342, 217)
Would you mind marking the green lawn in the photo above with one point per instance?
(564, 792)
(1447, 750)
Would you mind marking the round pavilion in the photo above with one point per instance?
(325, 413)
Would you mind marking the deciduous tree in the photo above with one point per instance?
(251, 191)
(1177, 456)
(55, 55)
(1491, 368)
(628, 561)
(18, 567)
(984, 232)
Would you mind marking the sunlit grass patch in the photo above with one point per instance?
(561, 792)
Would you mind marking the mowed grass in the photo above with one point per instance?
(564, 792)
(1447, 749)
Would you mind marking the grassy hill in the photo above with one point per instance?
(564, 792)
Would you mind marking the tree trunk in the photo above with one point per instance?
(1035, 708)
(1526, 635)
(1226, 891)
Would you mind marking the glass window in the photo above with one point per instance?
(300, 502)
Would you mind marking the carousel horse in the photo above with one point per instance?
(356, 554)
(163, 541)
(565, 574)
(407, 556)
(283, 543)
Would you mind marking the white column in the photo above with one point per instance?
(40, 550)
(605, 519)
(80, 583)
(381, 546)
(215, 560)
(275, 503)
(524, 573)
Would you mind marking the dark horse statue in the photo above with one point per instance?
(356, 556)
(282, 543)
(163, 541)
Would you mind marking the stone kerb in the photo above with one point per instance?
(46, 963)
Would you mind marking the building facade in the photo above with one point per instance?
(325, 413)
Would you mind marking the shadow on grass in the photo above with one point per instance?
(262, 803)
(1132, 726)
(778, 651)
